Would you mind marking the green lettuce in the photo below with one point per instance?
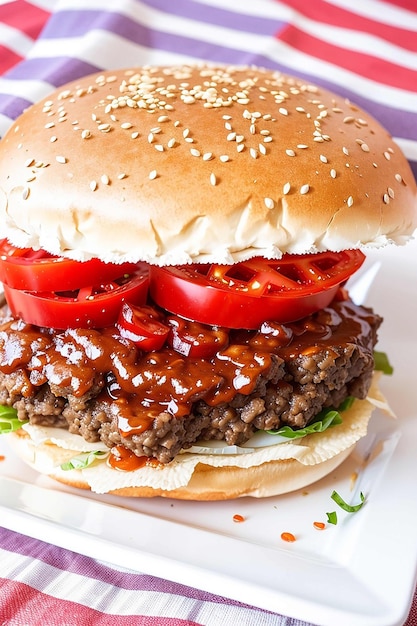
(9, 421)
(83, 460)
(325, 419)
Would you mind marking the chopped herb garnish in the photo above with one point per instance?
(332, 517)
(382, 364)
(83, 460)
(9, 422)
(349, 508)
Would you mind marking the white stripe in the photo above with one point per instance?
(14, 39)
(382, 12)
(106, 598)
(28, 89)
(105, 49)
(408, 146)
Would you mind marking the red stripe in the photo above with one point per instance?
(24, 16)
(8, 58)
(370, 67)
(409, 5)
(327, 13)
(21, 604)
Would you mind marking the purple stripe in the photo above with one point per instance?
(56, 71)
(12, 106)
(66, 560)
(220, 17)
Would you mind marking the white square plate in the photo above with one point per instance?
(361, 571)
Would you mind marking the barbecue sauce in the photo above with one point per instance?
(141, 385)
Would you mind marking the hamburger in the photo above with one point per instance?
(176, 247)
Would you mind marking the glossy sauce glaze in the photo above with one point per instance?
(140, 385)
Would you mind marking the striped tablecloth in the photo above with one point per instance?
(366, 51)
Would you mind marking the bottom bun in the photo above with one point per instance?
(268, 471)
(206, 483)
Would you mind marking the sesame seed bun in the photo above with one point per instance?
(178, 164)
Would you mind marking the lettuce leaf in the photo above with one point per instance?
(382, 364)
(325, 419)
(9, 421)
(83, 460)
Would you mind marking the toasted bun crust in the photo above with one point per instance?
(202, 163)
(207, 483)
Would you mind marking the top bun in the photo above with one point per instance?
(200, 163)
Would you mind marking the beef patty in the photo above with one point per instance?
(100, 386)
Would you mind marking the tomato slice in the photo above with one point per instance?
(143, 325)
(246, 294)
(195, 339)
(88, 307)
(37, 270)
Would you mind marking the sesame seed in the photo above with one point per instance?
(104, 128)
(231, 137)
(61, 159)
(364, 147)
(269, 203)
(240, 147)
(153, 174)
(171, 143)
(25, 193)
(224, 158)
(262, 148)
(286, 189)
(85, 134)
(121, 176)
(213, 179)
(350, 201)
(387, 156)
(290, 152)
(105, 179)
(195, 152)
(29, 162)
(126, 125)
(390, 192)
(386, 198)
(304, 189)
(398, 178)
(348, 120)
(253, 153)
(345, 151)
(207, 156)
(151, 137)
(323, 159)
(134, 135)
(159, 147)
(283, 111)
(53, 139)
(267, 139)
(333, 173)
(93, 185)
(302, 146)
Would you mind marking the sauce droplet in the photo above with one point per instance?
(289, 537)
